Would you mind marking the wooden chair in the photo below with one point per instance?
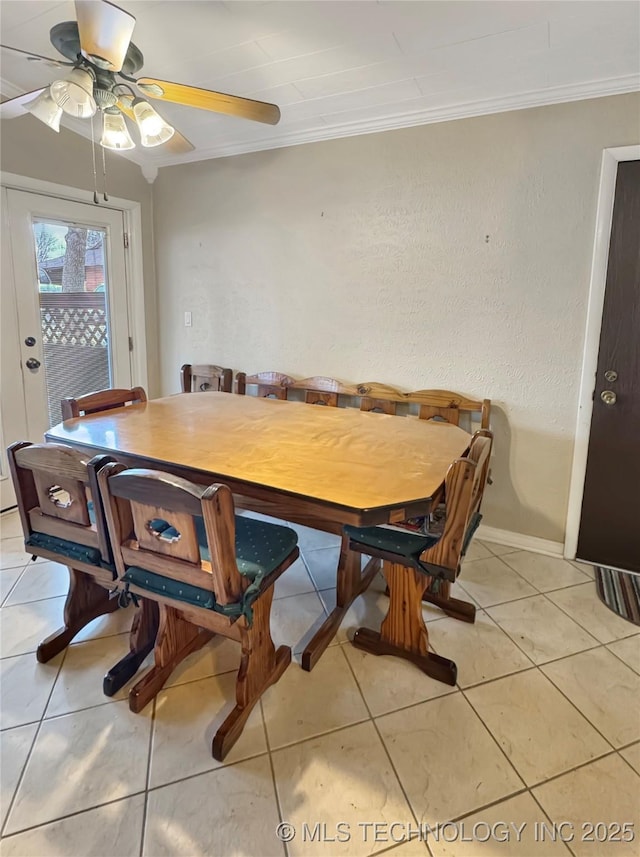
(271, 385)
(63, 520)
(320, 390)
(380, 398)
(411, 560)
(101, 400)
(210, 572)
(199, 378)
(449, 406)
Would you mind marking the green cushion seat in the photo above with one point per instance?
(402, 542)
(407, 544)
(68, 549)
(260, 548)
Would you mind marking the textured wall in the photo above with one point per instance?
(31, 149)
(454, 255)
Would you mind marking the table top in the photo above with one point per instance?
(340, 456)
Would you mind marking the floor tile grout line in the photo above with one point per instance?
(33, 600)
(571, 702)
(31, 748)
(545, 813)
(582, 714)
(322, 734)
(493, 738)
(510, 638)
(514, 639)
(71, 815)
(602, 642)
(562, 559)
(143, 829)
(628, 745)
(16, 582)
(463, 816)
(616, 655)
(579, 624)
(619, 752)
(532, 585)
(381, 739)
(273, 773)
(553, 777)
(213, 770)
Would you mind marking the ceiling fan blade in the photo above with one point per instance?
(105, 32)
(31, 57)
(206, 99)
(177, 144)
(15, 106)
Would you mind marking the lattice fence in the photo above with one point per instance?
(74, 319)
(75, 336)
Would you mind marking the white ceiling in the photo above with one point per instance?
(339, 68)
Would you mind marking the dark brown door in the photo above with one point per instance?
(610, 521)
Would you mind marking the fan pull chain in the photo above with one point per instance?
(104, 175)
(95, 175)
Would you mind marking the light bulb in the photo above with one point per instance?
(153, 128)
(115, 134)
(75, 94)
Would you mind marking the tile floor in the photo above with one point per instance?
(542, 729)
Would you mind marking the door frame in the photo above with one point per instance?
(132, 217)
(595, 308)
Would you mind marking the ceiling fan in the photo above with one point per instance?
(103, 62)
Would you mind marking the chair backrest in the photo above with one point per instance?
(101, 400)
(464, 488)
(138, 504)
(320, 390)
(379, 398)
(201, 377)
(271, 385)
(58, 495)
(448, 406)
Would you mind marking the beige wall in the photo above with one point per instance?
(454, 255)
(28, 148)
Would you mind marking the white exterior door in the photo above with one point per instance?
(65, 322)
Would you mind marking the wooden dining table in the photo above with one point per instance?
(321, 467)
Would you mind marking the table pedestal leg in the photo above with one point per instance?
(351, 582)
(86, 600)
(403, 632)
(142, 638)
(465, 611)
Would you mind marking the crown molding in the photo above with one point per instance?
(469, 109)
(483, 107)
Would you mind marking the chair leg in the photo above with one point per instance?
(260, 667)
(176, 639)
(465, 611)
(142, 638)
(86, 600)
(403, 632)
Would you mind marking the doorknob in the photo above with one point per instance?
(607, 396)
(32, 363)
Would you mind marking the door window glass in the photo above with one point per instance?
(72, 291)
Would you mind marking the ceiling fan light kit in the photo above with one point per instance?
(98, 46)
(74, 94)
(44, 108)
(153, 129)
(115, 134)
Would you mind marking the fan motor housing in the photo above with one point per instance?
(66, 39)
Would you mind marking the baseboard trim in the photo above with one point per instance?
(520, 541)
